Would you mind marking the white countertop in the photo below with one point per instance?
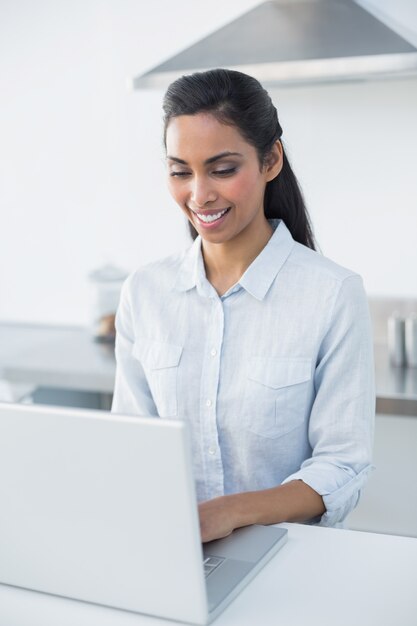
(321, 577)
(56, 356)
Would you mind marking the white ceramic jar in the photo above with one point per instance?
(106, 285)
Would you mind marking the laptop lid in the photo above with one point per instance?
(101, 508)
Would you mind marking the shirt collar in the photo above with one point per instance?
(191, 268)
(260, 274)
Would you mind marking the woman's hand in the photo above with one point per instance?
(294, 501)
(216, 518)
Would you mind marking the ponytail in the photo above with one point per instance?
(284, 200)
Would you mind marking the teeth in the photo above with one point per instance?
(211, 218)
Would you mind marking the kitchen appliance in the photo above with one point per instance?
(295, 41)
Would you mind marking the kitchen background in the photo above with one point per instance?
(81, 159)
(82, 184)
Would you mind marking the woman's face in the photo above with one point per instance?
(215, 177)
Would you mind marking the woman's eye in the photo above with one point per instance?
(225, 172)
(179, 174)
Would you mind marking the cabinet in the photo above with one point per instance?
(389, 501)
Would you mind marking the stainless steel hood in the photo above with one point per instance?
(296, 41)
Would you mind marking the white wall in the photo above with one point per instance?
(81, 160)
(353, 147)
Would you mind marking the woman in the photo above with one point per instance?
(259, 342)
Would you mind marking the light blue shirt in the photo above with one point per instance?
(275, 377)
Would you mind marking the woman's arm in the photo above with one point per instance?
(340, 432)
(292, 502)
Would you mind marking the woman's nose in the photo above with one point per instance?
(202, 192)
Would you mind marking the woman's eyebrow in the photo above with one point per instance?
(212, 159)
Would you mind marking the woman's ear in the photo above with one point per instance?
(274, 161)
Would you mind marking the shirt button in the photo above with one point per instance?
(211, 451)
(213, 352)
(208, 403)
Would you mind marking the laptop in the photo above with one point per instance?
(102, 508)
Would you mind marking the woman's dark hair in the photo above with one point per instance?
(240, 100)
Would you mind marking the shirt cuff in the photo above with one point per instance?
(341, 497)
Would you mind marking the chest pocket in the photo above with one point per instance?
(276, 397)
(160, 363)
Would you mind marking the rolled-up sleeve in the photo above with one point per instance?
(132, 395)
(341, 422)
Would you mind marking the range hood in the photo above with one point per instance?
(295, 41)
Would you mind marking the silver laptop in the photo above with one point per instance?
(102, 508)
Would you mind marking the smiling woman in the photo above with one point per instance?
(221, 191)
(228, 183)
(250, 111)
(259, 342)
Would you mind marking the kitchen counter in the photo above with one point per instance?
(56, 357)
(321, 576)
(396, 387)
(68, 358)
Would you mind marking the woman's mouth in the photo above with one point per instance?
(212, 218)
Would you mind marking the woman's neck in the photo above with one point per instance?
(225, 263)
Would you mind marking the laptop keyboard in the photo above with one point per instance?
(211, 563)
